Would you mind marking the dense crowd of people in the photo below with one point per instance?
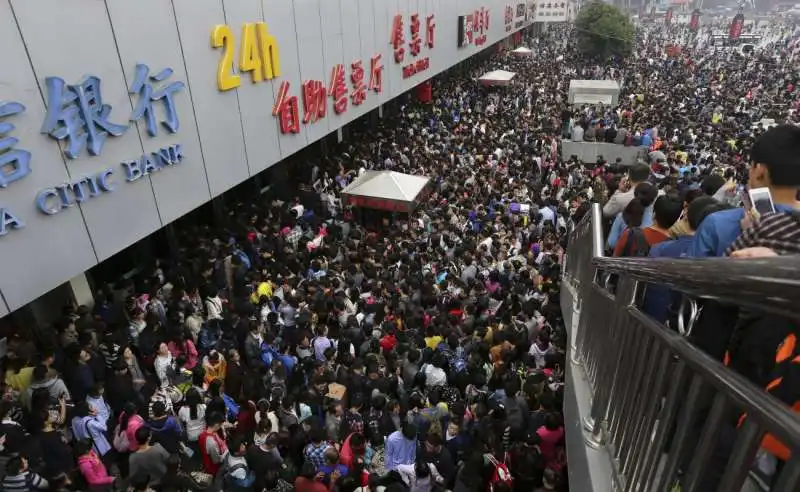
(304, 345)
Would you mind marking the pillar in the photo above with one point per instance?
(82, 291)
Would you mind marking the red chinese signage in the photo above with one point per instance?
(377, 203)
(414, 68)
(415, 41)
(315, 101)
(285, 109)
(480, 25)
(376, 74)
(338, 89)
(736, 26)
(694, 23)
(316, 93)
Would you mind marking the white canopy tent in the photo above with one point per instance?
(497, 77)
(386, 190)
(522, 51)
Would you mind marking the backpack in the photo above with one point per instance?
(121, 443)
(459, 362)
(500, 475)
(277, 390)
(636, 244)
(232, 483)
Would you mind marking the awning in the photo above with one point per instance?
(497, 77)
(522, 51)
(387, 190)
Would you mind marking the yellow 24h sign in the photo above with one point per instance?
(258, 54)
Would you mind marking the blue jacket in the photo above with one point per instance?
(658, 298)
(719, 230)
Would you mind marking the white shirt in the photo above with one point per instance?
(162, 364)
(194, 427)
(434, 376)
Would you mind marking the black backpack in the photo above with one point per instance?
(636, 244)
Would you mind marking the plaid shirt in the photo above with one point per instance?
(281, 486)
(316, 454)
(293, 236)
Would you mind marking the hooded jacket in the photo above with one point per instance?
(54, 386)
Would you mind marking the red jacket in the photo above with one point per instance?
(208, 464)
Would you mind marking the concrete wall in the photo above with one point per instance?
(64, 210)
(588, 151)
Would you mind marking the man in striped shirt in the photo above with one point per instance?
(20, 479)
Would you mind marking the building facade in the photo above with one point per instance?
(118, 117)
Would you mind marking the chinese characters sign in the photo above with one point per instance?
(259, 55)
(520, 17)
(342, 89)
(552, 11)
(473, 28)
(398, 42)
(508, 18)
(77, 116)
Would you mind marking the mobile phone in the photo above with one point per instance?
(760, 201)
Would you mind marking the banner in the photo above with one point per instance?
(694, 23)
(736, 26)
(668, 16)
(425, 92)
(465, 23)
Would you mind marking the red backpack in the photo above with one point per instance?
(501, 477)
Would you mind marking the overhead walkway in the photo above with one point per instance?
(644, 407)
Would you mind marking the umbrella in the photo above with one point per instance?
(656, 155)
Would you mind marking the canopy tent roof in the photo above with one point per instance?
(605, 84)
(496, 77)
(522, 51)
(386, 190)
(593, 92)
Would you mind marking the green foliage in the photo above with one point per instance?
(603, 31)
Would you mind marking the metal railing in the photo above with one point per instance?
(665, 411)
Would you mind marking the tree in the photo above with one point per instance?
(603, 31)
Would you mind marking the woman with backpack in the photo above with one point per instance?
(125, 434)
(637, 239)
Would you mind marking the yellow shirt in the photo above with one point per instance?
(263, 289)
(21, 380)
(433, 342)
(215, 371)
